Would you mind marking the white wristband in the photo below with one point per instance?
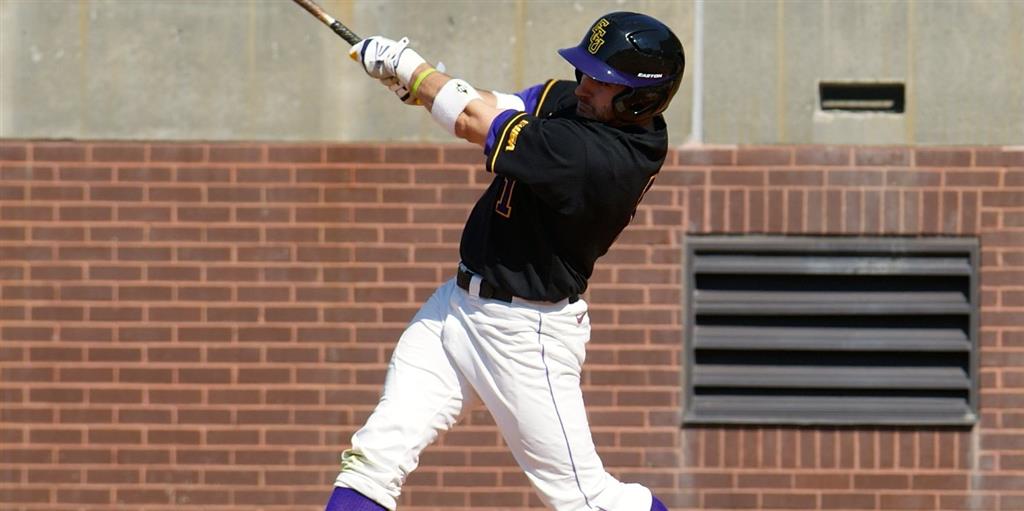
(450, 101)
(509, 102)
(408, 61)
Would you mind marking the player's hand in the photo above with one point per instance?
(385, 58)
(401, 91)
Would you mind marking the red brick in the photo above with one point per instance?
(881, 156)
(426, 196)
(83, 496)
(913, 178)
(291, 274)
(199, 254)
(129, 496)
(929, 157)
(94, 174)
(144, 174)
(998, 158)
(26, 213)
(464, 154)
(12, 193)
(881, 481)
(764, 156)
(293, 194)
(293, 234)
(118, 396)
(732, 500)
(25, 253)
(85, 213)
(111, 477)
(178, 194)
(123, 234)
(84, 254)
(56, 193)
(322, 214)
(737, 178)
(323, 175)
(702, 157)
(855, 178)
(28, 333)
(907, 502)
(295, 154)
(25, 173)
(351, 195)
(163, 476)
(119, 153)
(263, 175)
(56, 395)
(354, 153)
(848, 501)
(12, 233)
(232, 234)
(264, 253)
(411, 154)
(1002, 199)
(236, 153)
(203, 214)
(329, 254)
(450, 216)
(177, 153)
(1014, 178)
(114, 355)
(13, 151)
(823, 155)
(382, 175)
(232, 314)
(145, 375)
(427, 176)
(143, 253)
(203, 174)
(143, 214)
(796, 178)
(58, 152)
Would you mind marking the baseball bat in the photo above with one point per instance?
(335, 25)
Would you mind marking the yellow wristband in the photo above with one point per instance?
(419, 79)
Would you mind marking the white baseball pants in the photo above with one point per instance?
(523, 360)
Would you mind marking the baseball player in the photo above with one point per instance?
(571, 162)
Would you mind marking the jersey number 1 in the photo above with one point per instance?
(504, 204)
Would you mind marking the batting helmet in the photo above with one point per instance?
(634, 50)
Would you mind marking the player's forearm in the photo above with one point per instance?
(474, 121)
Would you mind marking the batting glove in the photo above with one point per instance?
(401, 91)
(385, 58)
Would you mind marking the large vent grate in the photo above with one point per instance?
(831, 330)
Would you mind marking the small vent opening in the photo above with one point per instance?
(861, 97)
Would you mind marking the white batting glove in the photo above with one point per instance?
(401, 91)
(385, 58)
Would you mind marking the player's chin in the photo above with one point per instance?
(585, 111)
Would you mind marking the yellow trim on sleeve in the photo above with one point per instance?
(500, 142)
(543, 96)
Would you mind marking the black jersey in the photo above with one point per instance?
(564, 188)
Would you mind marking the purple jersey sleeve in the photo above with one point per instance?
(530, 96)
(496, 124)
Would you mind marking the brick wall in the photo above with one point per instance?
(202, 326)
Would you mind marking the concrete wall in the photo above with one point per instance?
(960, 61)
(266, 70)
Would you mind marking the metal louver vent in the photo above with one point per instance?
(786, 330)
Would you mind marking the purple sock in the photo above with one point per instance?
(347, 499)
(656, 504)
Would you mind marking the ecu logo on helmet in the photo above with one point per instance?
(597, 36)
